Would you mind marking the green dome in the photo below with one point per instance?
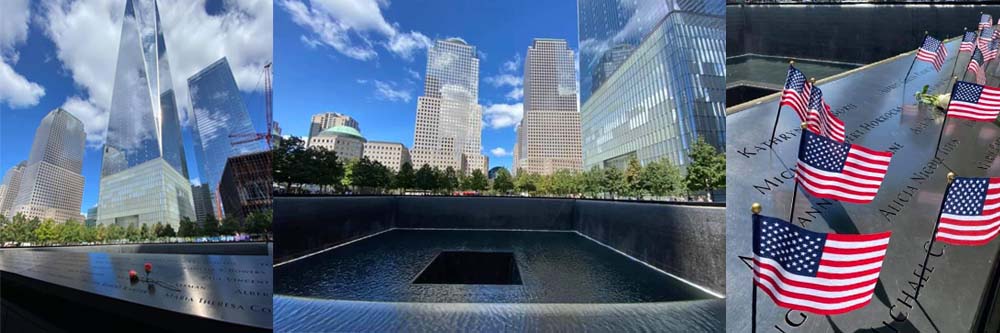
(341, 130)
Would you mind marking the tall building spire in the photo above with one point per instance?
(144, 171)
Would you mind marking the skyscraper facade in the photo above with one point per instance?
(221, 124)
(448, 130)
(668, 91)
(52, 182)
(548, 138)
(390, 154)
(609, 30)
(323, 121)
(144, 178)
(246, 185)
(9, 188)
(202, 197)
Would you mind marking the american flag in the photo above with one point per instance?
(991, 52)
(971, 212)
(821, 273)
(974, 102)
(840, 171)
(968, 42)
(933, 51)
(796, 93)
(821, 120)
(986, 21)
(985, 37)
(975, 65)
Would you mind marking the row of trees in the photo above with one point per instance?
(299, 169)
(21, 230)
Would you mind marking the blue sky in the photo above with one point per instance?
(61, 53)
(367, 58)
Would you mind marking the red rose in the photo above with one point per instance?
(132, 275)
(148, 267)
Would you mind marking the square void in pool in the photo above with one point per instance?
(471, 267)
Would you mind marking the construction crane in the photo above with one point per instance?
(241, 138)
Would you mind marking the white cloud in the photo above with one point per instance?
(350, 26)
(413, 73)
(86, 35)
(515, 94)
(482, 55)
(505, 80)
(405, 44)
(15, 89)
(388, 91)
(311, 43)
(508, 77)
(513, 65)
(500, 152)
(503, 115)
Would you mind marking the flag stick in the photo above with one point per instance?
(957, 54)
(795, 193)
(951, 178)
(945, 122)
(755, 209)
(778, 116)
(911, 66)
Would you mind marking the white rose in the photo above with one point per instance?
(942, 100)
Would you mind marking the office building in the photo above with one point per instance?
(91, 220)
(9, 188)
(52, 182)
(448, 131)
(202, 197)
(144, 177)
(548, 138)
(326, 120)
(390, 154)
(667, 92)
(221, 124)
(346, 141)
(246, 185)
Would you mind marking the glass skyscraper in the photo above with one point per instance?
(448, 130)
(219, 113)
(670, 88)
(144, 178)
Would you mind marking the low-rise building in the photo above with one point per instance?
(390, 154)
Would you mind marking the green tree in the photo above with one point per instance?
(425, 179)
(47, 232)
(526, 182)
(478, 181)
(287, 160)
(144, 232)
(230, 226)
(613, 181)
(157, 230)
(448, 180)
(503, 183)
(186, 228)
(707, 170)
(116, 232)
(634, 184)
(102, 233)
(210, 227)
(405, 178)
(71, 232)
(168, 231)
(590, 183)
(329, 171)
(259, 222)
